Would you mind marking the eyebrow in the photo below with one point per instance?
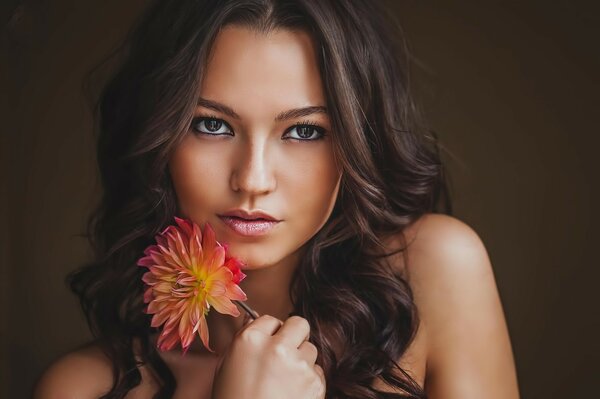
(282, 116)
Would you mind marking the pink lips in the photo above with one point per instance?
(247, 227)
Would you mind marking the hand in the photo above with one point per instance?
(269, 359)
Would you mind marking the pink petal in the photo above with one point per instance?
(149, 278)
(148, 295)
(182, 249)
(146, 261)
(163, 287)
(196, 253)
(158, 258)
(222, 274)
(185, 225)
(160, 271)
(175, 260)
(167, 341)
(209, 241)
(159, 318)
(186, 280)
(154, 306)
(150, 248)
(235, 292)
(217, 260)
(168, 260)
(195, 314)
(223, 305)
(177, 310)
(204, 333)
(160, 239)
(185, 329)
(217, 288)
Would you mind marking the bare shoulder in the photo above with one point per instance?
(82, 373)
(438, 243)
(87, 373)
(468, 348)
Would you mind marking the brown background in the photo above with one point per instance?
(511, 88)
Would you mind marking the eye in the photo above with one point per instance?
(305, 130)
(211, 126)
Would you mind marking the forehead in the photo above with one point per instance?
(277, 69)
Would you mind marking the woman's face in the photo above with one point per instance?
(243, 152)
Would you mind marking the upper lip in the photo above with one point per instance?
(244, 214)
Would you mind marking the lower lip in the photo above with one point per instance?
(249, 228)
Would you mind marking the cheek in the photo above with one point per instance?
(197, 178)
(312, 191)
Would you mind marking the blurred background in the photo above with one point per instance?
(510, 87)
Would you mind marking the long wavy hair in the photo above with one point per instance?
(392, 175)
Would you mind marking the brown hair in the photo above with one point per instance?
(392, 174)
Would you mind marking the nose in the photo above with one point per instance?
(253, 173)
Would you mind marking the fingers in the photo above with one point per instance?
(267, 324)
(321, 374)
(294, 331)
(308, 352)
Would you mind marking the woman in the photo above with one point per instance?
(299, 110)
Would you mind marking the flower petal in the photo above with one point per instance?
(223, 305)
(216, 288)
(203, 332)
(185, 225)
(155, 306)
(196, 253)
(235, 292)
(217, 260)
(148, 294)
(209, 242)
(166, 341)
(188, 272)
(149, 278)
(182, 243)
(146, 261)
(185, 329)
(159, 318)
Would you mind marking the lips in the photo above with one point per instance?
(250, 215)
(250, 228)
(249, 223)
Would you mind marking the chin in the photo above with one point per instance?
(257, 261)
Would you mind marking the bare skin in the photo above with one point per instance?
(462, 348)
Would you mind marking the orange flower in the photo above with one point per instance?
(185, 279)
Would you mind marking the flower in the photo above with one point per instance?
(185, 279)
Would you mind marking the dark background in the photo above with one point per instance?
(510, 87)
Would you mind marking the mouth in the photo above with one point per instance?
(249, 227)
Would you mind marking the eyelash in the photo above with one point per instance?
(305, 123)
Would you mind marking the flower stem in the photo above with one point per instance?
(248, 309)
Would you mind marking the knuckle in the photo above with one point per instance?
(251, 336)
(301, 321)
(280, 349)
(312, 347)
